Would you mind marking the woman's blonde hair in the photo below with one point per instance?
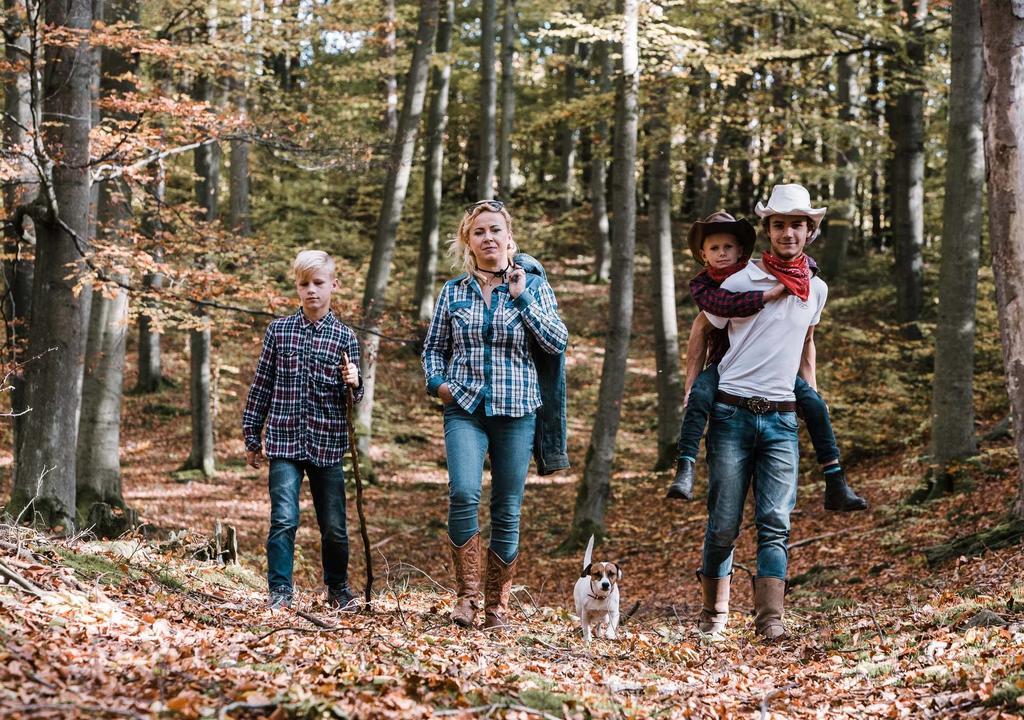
(458, 244)
(308, 262)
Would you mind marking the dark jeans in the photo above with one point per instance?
(811, 404)
(468, 437)
(327, 485)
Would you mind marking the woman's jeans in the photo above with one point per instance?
(743, 447)
(327, 485)
(468, 437)
(702, 396)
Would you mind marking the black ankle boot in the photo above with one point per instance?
(838, 495)
(682, 486)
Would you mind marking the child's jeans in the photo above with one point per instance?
(809, 402)
(327, 485)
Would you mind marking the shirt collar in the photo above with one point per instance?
(323, 322)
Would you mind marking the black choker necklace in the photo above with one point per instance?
(498, 273)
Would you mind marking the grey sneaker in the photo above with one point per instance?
(340, 597)
(280, 598)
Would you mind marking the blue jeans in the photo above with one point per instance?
(702, 396)
(743, 447)
(327, 485)
(468, 437)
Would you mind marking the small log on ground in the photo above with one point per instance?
(1009, 533)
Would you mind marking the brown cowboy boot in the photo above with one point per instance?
(715, 612)
(466, 558)
(768, 599)
(497, 588)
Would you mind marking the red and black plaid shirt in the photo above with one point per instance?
(708, 295)
(298, 390)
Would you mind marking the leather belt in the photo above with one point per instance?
(757, 405)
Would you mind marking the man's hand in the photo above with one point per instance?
(254, 458)
(516, 281)
(445, 394)
(775, 293)
(349, 371)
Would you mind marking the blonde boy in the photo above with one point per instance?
(309, 361)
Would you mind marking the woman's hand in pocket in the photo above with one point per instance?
(445, 393)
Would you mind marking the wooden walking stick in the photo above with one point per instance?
(359, 491)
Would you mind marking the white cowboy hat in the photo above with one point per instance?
(791, 199)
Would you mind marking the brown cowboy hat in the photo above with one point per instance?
(721, 222)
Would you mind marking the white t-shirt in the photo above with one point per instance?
(765, 349)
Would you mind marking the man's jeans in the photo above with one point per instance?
(743, 447)
(327, 485)
(509, 442)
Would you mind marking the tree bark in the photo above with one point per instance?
(843, 210)
(908, 170)
(437, 124)
(595, 486)
(1002, 23)
(488, 102)
(100, 502)
(953, 434)
(44, 480)
(508, 99)
(567, 133)
(19, 242)
(239, 205)
(395, 189)
(150, 368)
(598, 172)
(388, 48)
(663, 286)
(207, 185)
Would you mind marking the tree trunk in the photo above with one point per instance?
(150, 369)
(437, 123)
(663, 286)
(239, 206)
(207, 185)
(875, 123)
(44, 480)
(567, 133)
(953, 434)
(488, 102)
(595, 486)
(508, 99)
(100, 502)
(1002, 23)
(598, 173)
(19, 242)
(395, 188)
(388, 47)
(840, 229)
(908, 169)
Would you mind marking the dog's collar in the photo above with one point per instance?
(594, 596)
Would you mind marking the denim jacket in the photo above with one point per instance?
(550, 441)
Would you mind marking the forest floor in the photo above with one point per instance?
(142, 627)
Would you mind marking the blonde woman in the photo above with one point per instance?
(478, 360)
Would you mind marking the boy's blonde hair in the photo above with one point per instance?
(308, 262)
(458, 245)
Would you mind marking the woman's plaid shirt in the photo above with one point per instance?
(483, 353)
(298, 390)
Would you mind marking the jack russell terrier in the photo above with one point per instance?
(597, 595)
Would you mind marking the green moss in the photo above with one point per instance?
(94, 567)
(1007, 692)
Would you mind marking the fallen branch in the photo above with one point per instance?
(825, 536)
(769, 695)
(11, 576)
(223, 712)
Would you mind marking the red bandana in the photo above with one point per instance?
(720, 274)
(794, 274)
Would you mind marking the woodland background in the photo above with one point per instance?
(162, 163)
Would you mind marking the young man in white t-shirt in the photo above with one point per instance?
(752, 434)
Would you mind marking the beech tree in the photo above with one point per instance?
(44, 478)
(595, 486)
(953, 434)
(1002, 23)
(488, 102)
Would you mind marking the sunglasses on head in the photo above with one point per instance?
(495, 204)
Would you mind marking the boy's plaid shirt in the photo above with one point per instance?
(484, 353)
(708, 296)
(299, 392)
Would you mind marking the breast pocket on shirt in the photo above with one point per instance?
(461, 312)
(328, 383)
(288, 363)
(513, 319)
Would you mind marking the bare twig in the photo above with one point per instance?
(769, 695)
(223, 712)
(10, 575)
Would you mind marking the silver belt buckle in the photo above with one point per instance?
(759, 405)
